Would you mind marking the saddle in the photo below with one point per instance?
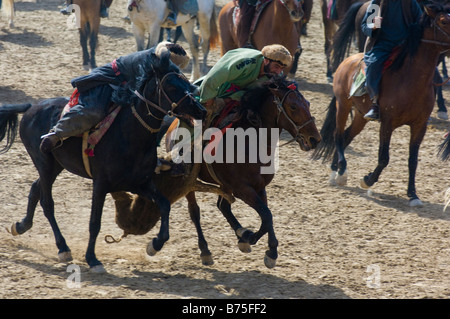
(358, 87)
(92, 137)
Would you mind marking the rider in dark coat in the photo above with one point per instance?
(113, 82)
(397, 17)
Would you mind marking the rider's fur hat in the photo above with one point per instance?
(277, 53)
(177, 54)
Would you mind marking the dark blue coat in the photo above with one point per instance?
(393, 32)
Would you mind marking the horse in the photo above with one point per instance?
(279, 22)
(149, 16)
(125, 157)
(332, 17)
(87, 20)
(349, 29)
(7, 7)
(406, 98)
(278, 105)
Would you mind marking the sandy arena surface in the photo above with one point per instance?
(334, 242)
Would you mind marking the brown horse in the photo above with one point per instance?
(278, 105)
(331, 21)
(406, 98)
(87, 19)
(278, 23)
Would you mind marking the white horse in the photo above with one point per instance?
(8, 11)
(148, 16)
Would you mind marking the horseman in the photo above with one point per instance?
(105, 4)
(389, 30)
(113, 82)
(240, 69)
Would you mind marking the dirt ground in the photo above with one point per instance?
(334, 242)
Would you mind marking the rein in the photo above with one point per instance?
(279, 103)
(148, 103)
(437, 27)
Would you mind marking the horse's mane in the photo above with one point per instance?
(415, 33)
(256, 96)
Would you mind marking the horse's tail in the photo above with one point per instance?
(342, 39)
(326, 147)
(8, 123)
(214, 39)
(444, 148)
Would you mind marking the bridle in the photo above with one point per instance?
(438, 28)
(279, 103)
(161, 93)
(283, 2)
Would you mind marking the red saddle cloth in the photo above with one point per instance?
(224, 126)
(100, 129)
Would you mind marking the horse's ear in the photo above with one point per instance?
(430, 10)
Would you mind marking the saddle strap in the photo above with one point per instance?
(84, 146)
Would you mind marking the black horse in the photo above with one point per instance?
(124, 159)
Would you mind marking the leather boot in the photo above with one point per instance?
(49, 142)
(374, 113)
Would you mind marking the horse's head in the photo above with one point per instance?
(437, 24)
(295, 9)
(175, 91)
(293, 114)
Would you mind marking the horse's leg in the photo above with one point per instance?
(188, 31)
(383, 156)
(194, 212)
(153, 34)
(164, 208)
(417, 134)
(84, 46)
(343, 138)
(47, 176)
(27, 222)
(98, 200)
(442, 109)
(297, 55)
(258, 201)
(93, 40)
(444, 69)
(204, 23)
(139, 36)
(243, 234)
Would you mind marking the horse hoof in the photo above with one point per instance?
(244, 247)
(363, 184)
(341, 180)
(14, 231)
(332, 180)
(99, 269)
(415, 203)
(151, 251)
(207, 260)
(65, 257)
(269, 262)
